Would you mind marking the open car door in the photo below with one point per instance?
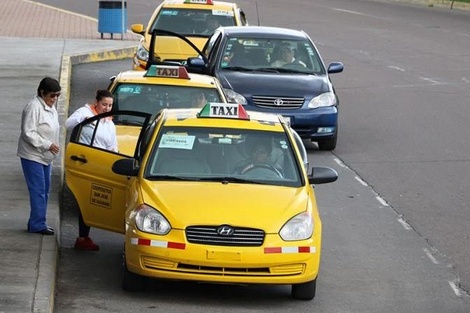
(100, 193)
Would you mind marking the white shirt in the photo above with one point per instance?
(105, 135)
(39, 130)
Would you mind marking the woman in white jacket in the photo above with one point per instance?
(105, 138)
(38, 146)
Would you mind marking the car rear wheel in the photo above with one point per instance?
(131, 281)
(305, 291)
(328, 144)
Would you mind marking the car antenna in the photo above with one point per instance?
(257, 13)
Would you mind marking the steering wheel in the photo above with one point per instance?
(251, 167)
(296, 65)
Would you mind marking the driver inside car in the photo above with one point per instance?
(259, 160)
(286, 57)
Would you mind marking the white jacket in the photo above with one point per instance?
(39, 130)
(105, 137)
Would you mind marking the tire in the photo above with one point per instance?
(131, 281)
(305, 291)
(328, 144)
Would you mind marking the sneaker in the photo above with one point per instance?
(85, 243)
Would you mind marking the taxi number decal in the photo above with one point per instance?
(177, 141)
(101, 195)
(222, 12)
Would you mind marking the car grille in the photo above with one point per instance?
(241, 237)
(278, 102)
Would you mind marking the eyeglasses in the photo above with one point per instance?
(54, 95)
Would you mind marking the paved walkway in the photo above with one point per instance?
(26, 18)
(37, 41)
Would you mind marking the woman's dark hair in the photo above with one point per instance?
(103, 93)
(48, 85)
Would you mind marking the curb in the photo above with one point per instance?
(44, 295)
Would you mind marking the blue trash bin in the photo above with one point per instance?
(112, 18)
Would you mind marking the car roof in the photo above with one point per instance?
(275, 32)
(182, 4)
(256, 121)
(138, 77)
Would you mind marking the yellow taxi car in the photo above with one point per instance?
(195, 202)
(194, 19)
(161, 86)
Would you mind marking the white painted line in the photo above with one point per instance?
(382, 201)
(429, 254)
(404, 223)
(339, 162)
(465, 80)
(348, 11)
(363, 183)
(455, 288)
(430, 80)
(396, 68)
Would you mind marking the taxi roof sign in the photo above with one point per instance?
(199, 1)
(224, 110)
(167, 71)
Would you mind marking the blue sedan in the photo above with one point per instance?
(276, 70)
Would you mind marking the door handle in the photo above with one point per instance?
(79, 159)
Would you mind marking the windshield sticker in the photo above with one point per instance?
(172, 141)
(222, 12)
(169, 12)
(130, 89)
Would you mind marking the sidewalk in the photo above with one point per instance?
(37, 41)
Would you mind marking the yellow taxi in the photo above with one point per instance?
(161, 86)
(199, 199)
(194, 19)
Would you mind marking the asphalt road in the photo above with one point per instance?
(395, 223)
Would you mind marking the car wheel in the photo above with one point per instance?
(328, 144)
(131, 281)
(305, 291)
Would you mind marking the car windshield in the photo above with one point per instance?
(224, 155)
(271, 55)
(193, 22)
(152, 98)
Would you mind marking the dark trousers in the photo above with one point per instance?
(83, 229)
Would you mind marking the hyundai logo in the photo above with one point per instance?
(278, 102)
(225, 231)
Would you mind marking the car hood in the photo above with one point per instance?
(175, 49)
(214, 203)
(285, 84)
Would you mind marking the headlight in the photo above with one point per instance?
(142, 53)
(326, 99)
(234, 97)
(149, 220)
(300, 227)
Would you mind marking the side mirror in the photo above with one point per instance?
(322, 175)
(196, 65)
(125, 167)
(335, 67)
(138, 29)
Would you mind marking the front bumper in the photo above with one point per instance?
(170, 257)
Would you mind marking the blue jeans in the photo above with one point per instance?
(38, 179)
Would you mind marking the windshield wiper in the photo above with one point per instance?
(170, 177)
(238, 68)
(226, 180)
